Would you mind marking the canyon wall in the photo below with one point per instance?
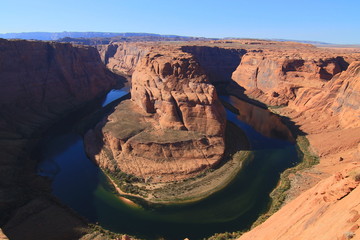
(218, 63)
(277, 77)
(40, 82)
(319, 91)
(122, 58)
(176, 129)
(347, 101)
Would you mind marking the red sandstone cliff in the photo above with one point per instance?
(276, 77)
(39, 83)
(327, 111)
(122, 58)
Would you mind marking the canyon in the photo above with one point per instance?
(175, 117)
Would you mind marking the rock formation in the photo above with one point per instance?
(330, 210)
(173, 127)
(40, 82)
(325, 104)
(278, 77)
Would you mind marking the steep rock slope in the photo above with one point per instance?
(330, 210)
(331, 117)
(176, 128)
(347, 101)
(39, 83)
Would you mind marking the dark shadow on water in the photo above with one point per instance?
(74, 177)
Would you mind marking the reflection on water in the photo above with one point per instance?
(83, 187)
(262, 120)
(115, 94)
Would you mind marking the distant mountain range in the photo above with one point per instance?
(302, 41)
(46, 36)
(94, 38)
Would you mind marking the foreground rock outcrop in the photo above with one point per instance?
(171, 129)
(40, 82)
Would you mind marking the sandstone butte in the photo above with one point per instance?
(176, 126)
(317, 88)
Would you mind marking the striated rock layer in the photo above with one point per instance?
(278, 77)
(176, 124)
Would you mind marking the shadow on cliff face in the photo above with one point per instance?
(219, 65)
(42, 82)
(267, 123)
(62, 155)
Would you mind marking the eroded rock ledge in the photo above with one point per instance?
(171, 129)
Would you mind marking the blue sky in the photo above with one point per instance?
(329, 21)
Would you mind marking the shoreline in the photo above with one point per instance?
(122, 194)
(193, 189)
(308, 159)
